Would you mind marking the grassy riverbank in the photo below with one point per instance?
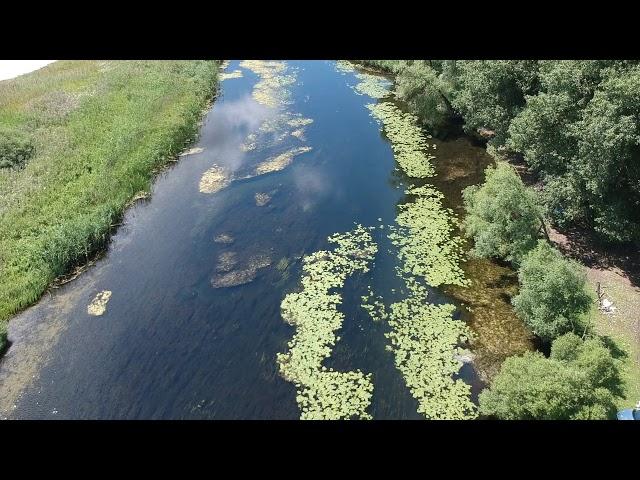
(92, 135)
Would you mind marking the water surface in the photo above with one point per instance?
(170, 345)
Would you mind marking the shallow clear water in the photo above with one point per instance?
(172, 346)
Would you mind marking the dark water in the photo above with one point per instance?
(170, 345)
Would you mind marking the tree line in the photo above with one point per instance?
(580, 379)
(576, 124)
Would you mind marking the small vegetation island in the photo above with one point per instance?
(510, 197)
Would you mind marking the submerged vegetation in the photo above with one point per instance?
(324, 393)
(82, 139)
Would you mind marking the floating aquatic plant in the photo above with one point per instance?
(324, 393)
(269, 90)
(424, 339)
(299, 122)
(299, 134)
(374, 305)
(279, 162)
(98, 305)
(408, 141)
(372, 85)
(227, 76)
(213, 180)
(344, 66)
(426, 244)
(250, 143)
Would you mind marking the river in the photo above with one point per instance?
(197, 272)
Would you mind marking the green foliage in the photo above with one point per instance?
(121, 121)
(581, 132)
(492, 92)
(564, 199)
(608, 160)
(580, 380)
(16, 147)
(503, 216)
(552, 293)
(576, 122)
(420, 85)
(541, 132)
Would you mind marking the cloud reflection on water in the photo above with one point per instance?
(312, 184)
(234, 121)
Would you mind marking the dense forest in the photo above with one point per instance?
(576, 124)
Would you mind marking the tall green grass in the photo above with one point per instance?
(100, 130)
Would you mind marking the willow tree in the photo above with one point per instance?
(580, 380)
(552, 295)
(503, 215)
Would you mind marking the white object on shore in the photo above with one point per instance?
(607, 306)
(15, 68)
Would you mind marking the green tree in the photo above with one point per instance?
(503, 216)
(541, 132)
(552, 294)
(608, 158)
(581, 132)
(491, 93)
(422, 85)
(580, 380)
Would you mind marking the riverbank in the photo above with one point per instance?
(485, 303)
(616, 269)
(86, 137)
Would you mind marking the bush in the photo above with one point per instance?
(580, 380)
(552, 293)
(16, 148)
(503, 215)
